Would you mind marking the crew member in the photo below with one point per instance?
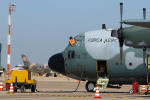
(72, 41)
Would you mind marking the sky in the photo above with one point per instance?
(41, 28)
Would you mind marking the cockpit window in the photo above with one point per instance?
(79, 38)
(71, 54)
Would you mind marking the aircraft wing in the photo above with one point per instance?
(137, 22)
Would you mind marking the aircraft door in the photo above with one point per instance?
(101, 67)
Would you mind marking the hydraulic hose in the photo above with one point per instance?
(78, 83)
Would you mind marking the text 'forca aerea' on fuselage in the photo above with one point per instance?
(100, 45)
(101, 40)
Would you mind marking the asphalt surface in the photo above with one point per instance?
(63, 89)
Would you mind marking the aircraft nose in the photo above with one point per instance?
(56, 63)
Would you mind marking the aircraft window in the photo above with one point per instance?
(79, 38)
(117, 63)
(69, 52)
(130, 64)
(72, 54)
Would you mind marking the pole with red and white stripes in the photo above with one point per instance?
(11, 8)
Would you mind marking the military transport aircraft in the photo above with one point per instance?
(38, 68)
(96, 54)
(136, 36)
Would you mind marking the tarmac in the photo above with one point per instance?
(50, 88)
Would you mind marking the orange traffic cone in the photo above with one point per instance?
(97, 94)
(1, 85)
(143, 89)
(11, 88)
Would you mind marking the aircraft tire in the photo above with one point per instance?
(90, 86)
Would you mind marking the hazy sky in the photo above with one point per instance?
(41, 28)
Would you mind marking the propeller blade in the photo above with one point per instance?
(121, 41)
(121, 14)
(144, 13)
(144, 55)
(121, 54)
(119, 33)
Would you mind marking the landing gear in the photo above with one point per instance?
(90, 86)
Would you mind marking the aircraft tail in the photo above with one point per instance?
(25, 61)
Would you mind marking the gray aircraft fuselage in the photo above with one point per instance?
(83, 60)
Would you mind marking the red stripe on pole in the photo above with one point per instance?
(8, 69)
(9, 30)
(8, 49)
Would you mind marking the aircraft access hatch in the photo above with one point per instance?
(101, 67)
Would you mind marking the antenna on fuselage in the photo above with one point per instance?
(144, 13)
(103, 26)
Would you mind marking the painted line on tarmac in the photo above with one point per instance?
(125, 98)
(121, 97)
(55, 95)
(77, 96)
(112, 95)
(139, 98)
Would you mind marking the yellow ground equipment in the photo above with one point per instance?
(21, 79)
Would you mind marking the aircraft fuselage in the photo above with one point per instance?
(92, 51)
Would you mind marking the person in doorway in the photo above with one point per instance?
(72, 41)
(102, 72)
